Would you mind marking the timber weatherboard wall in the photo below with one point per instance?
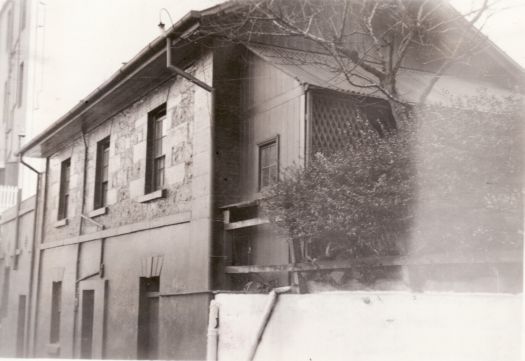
(271, 106)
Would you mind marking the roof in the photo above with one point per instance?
(141, 73)
(320, 71)
(147, 69)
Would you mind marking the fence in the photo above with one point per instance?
(8, 196)
(370, 326)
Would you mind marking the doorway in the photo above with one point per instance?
(21, 326)
(148, 323)
(86, 333)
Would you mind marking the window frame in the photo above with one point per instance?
(10, 29)
(155, 157)
(65, 180)
(23, 14)
(102, 173)
(274, 141)
(20, 85)
(6, 99)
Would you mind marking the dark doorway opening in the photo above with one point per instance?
(21, 326)
(148, 326)
(56, 310)
(86, 334)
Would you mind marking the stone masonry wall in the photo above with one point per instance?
(127, 164)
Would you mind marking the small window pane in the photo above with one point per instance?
(63, 199)
(158, 148)
(268, 164)
(102, 173)
(265, 181)
(155, 154)
(104, 194)
(106, 154)
(273, 174)
(159, 172)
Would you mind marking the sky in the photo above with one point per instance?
(85, 41)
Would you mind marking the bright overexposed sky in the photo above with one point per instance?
(86, 41)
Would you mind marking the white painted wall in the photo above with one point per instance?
(373, 326)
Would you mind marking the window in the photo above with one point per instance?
(5, 293)
(155, 156)
(268, 163)
(9, 33)
(63, 199)
(20, 89)
(6, 103)
(101, 174)
(56, 310)
(23, 14)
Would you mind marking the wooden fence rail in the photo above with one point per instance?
(435, 259)
(8, 196)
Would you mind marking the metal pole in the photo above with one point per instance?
(264, 321)
(213, 332)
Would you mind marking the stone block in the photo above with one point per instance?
(200, 186)
(179, 133)
(139, 152)
(141, 122)
(114, 164)
(175, 174)
(75, 180)
(112, 196)
(201, 163)
(136, 188)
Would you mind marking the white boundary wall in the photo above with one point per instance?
(373, 326)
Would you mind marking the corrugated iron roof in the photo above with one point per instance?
(323, 71)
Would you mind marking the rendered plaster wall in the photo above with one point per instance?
(373, 326)
(56, 265)
(182, 318)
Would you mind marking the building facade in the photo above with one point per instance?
(17, 73)
(148, 203)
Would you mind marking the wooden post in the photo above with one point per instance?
(295, 255)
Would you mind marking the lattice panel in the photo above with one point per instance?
(336, 121)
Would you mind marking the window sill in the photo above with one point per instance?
(161, 193)
(53, 349)
(61, 223)
(98, 212)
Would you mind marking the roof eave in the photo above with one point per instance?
(190, 19)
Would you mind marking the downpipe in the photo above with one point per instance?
(32, 259)
(272, 301)
(78, 246)
(213, 332)
(180, 72)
